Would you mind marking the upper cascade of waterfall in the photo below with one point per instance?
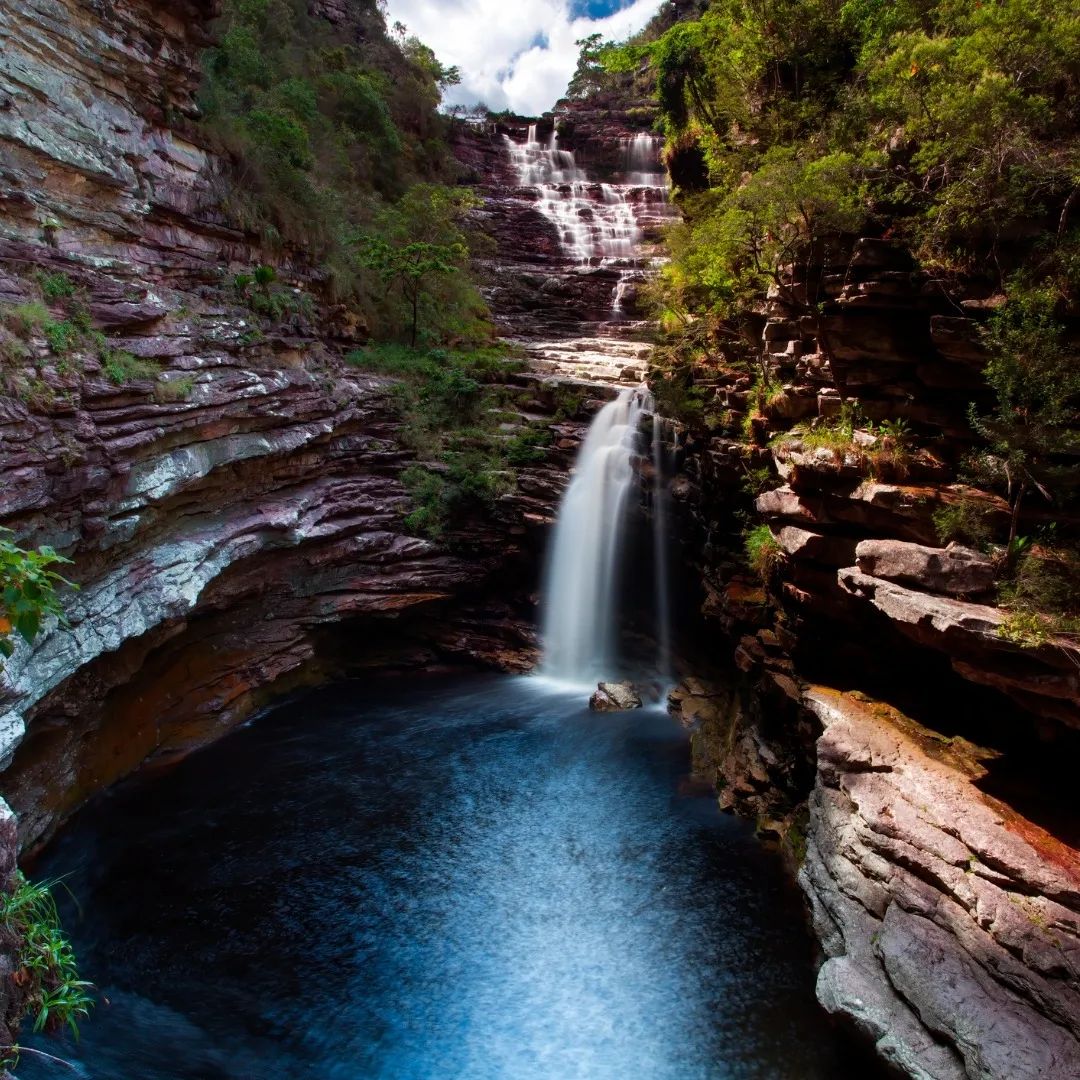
(641, 162)
(598, 223)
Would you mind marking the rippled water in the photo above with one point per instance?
(474, 878)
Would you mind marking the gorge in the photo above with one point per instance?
(300, 543)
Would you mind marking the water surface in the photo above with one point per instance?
(472, 878)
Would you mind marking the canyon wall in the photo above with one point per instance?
(917, 763)
(234, 515)
(236, 525)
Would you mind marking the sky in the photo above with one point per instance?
(515, 54)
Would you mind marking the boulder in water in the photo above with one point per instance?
(614, 697)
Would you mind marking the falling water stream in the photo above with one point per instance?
(581, 598)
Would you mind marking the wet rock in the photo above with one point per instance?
(614, 697)
(954, 569)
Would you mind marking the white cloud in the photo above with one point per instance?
(516, 54)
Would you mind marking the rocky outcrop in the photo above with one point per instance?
(614, 697)
(944, 896)
(950, 925)
(954, 569)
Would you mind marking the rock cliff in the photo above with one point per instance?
(232, 503)
(915, 760)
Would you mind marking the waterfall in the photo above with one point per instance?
(598, 224)
(580, 601)
(661, 570)
(641, 162)
(595, 222)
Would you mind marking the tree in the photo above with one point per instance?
(420, 247)
(27, 591)
(1036, 379)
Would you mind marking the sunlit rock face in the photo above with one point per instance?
(950, 924)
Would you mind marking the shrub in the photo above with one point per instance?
(56, 996)
(55, 286)
(529, 447)
(967, 521)
(28, 585)
(430, 503)
(62, 336)
(123, 367)
(763, 552)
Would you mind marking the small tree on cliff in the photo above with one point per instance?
(27, 591)
(418, 250)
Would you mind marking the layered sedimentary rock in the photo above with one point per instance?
(234, 516)
(937, 853)
(950, 924)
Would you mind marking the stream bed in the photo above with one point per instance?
(466, 879)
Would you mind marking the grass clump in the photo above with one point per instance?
(174, 390)
(123, 367)
(55, 286)
(55, 995)
(25, 319)
(763, 552)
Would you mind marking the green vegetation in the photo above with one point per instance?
(419, 250)
(340, 155)
(46, 970)
(174, 390)
(1035, 376)
(457, 414)
(1042, 594)
(28, 585)
(967, 521)
(55, 286)
(951, 129)
(122, 367)
(951, 126)
(763, 552)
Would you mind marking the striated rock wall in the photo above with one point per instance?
(950, 924)
(235, 518)
(916, 764)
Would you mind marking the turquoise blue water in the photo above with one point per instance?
(468, 879)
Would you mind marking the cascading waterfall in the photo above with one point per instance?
(595, 222)
(580, 596)
(580, 599)
(641, 162)
(598, 224)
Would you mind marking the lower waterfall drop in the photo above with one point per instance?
(580, 603)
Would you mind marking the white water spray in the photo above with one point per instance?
(661, 570)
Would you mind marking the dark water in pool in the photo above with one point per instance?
(472, 879)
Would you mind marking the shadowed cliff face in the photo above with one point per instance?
(236, 522)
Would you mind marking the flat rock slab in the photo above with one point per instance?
(957, 570)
